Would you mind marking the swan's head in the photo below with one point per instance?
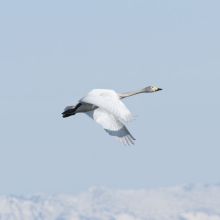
(152, 89)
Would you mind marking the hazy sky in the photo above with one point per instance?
(52, 53)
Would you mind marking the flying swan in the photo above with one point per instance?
(105, 107)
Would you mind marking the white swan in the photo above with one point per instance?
(104, 107)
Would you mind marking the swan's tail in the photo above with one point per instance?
(70, 110)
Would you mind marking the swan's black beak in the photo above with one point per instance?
(157, 89)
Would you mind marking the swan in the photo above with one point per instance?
(105, 107)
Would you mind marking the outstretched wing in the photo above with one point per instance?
(112, 125)
(109, 101)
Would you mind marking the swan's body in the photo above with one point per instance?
(105, 107)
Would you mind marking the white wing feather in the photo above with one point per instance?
(109, 101)
(112, 125)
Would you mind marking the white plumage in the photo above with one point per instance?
(109, 101)
(105, 108)
(112, 125)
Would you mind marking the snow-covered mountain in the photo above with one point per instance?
(192, 202)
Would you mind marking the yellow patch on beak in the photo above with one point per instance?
(155, 88)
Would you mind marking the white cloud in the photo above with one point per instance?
(125, 217)
(200, 216)
(195, 202)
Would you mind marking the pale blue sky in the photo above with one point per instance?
(52, 53)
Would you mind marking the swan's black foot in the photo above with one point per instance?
(67, 115)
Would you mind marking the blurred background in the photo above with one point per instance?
(52, 53)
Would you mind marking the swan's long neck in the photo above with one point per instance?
(127, 94)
